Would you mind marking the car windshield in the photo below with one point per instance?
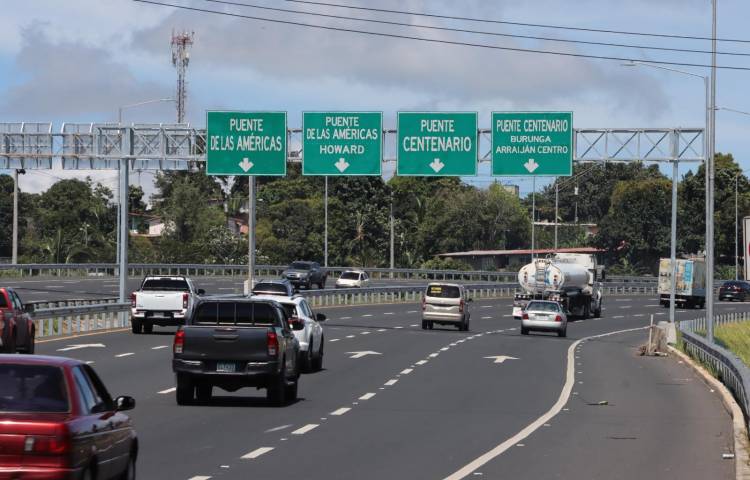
(162, 284)
(443, 291)
(350, 276)
(32, 388)
(300, 266)
(271, 288)
(236, 313)
(543, 307)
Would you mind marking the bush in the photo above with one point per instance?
(444, 264)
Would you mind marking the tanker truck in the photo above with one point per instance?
(572, 279)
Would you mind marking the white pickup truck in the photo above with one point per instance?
(163, 301)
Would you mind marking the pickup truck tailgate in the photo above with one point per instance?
(225, 343)
(159, 301)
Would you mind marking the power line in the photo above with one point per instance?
(476, 32)
(519, 24)
(434, 40)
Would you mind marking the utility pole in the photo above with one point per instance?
(250, 233)
(736, 226)
(392, 235)
(557, 218)
(181, 43)
(533, 216)
(710, 178)
(14, 254)
(325, 231)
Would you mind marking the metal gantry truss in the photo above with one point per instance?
(103, 146)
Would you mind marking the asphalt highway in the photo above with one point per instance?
(394, 401)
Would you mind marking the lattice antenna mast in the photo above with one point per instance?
(181, 43)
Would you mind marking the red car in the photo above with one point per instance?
(17, 331)
(57, 421)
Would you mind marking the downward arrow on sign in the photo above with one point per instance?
(531, 165)
(342, 165)
(501, 358)
(246, 164)
(437, 165)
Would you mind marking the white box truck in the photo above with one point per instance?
(690, 288)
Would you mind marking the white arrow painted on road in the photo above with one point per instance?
(342, 164)
(80, 346)
(501, 358)
(362, 354)
(437, 165)
(531, 165)
(246, 164)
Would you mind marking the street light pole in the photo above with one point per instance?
(14, 254)
(325, 231)
(710, 174)
(557, 218)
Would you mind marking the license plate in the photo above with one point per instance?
(226, 367)
(157, 315)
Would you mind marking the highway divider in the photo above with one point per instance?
(79, 316)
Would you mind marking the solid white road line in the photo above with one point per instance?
(256, 453)
(305, 429)
(124, 354)
(169, 390)
(159, 347)
(340, 411)
(516, 439)
(390, 382)
(367, 396)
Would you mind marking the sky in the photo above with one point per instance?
(78, 61)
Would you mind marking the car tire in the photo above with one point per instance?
(430, 325)
(598, 312)
(31, 346)
(136, 325)
(12, 342)
(290, 391)
(317, 363)
(148, 328)
(524, 331)
(275, 392)
(562, 333)
(185, 391)
(424, 324)
(307, 358)
(129, 473)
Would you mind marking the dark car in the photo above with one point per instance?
(305, 274)
(17, 331)
(734, 290)
(274, 287)
(57, 421)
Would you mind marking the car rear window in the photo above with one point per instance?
(443, 291)
(350, 276)
(32, 388)
(236, 313)
(290, 309)
(543, 307)
(162, 284)
(271, 288)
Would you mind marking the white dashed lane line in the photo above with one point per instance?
(334, 340)
(305, 429)
(159, 347)
(381, 330)
(169, 390)
(350, 336)
(388, 313)
(340, 411)
(421, 362)
(367, 315)
(199, 477)
(414, 325)
(412, 311)
(124, 355)
(485, 318)
(406, 371)
(345, 318)
(433, 355)
(390, 382)
(257, 453)
(365, 333)
(367, 396)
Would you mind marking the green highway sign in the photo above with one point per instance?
(246, 143)
(532, 143)
(437, 144)
(342, 143)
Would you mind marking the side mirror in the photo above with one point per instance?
(29, 308)
(201, 291)
(124, 403)
(296, 323)
(320, 317)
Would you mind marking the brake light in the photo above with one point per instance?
(424, 303)
(185, 298)
(525, 316)
(179, 341)
(558, 318)
(47, 445)
(461, 306)
(272, 342)
(132, 300)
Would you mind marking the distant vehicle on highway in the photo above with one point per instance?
(546, 316)
(690, 282)
(17, 331)
(60, 422)
(235, 343)
(311, 339)
(274, 287)
(353, 279)
(734, 290)
(163, 301)
(445, 304)
(305, 274)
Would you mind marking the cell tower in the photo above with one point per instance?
(181, 43)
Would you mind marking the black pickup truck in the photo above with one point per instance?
(233, 343)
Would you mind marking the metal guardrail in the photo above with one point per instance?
(75, 319)
(728, 367)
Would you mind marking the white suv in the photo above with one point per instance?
(311, 339)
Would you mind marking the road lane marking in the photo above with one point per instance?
(623, 300)
(507, 315)
(334, 340)
(340, 411)
(367, 315)
(485, 318)
(305, 429)
(367, 396)
(276, 429)
(365, 333)
(256, 453)
(486, 306)
(390, 382)
(169, 390)
(626, 306)
(124, 354)
(660, 313)
(388, 313)
(433, 355)
(444, 349)
(414, 325)
(345, 318)
(516, 439)
(350, 336)
(422, 362)
(638, 315)
(199, 477)
(159, 347)
(406, 371)
(412, 311)
(398, 327)
(381, 330)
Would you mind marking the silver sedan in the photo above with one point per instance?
(544, 316)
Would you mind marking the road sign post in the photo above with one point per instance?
(342, 143)
(437, 144)
(246, 143)
(532, 143)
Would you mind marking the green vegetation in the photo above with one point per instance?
(735, 337)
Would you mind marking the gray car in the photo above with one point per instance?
(445, 304)
(544, 316)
